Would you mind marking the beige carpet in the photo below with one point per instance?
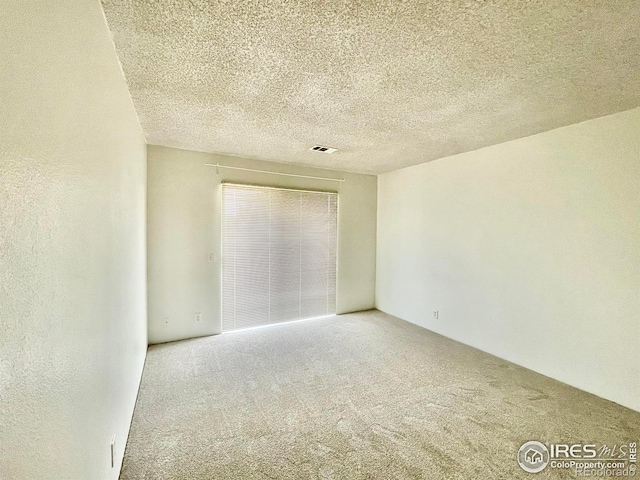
(360, 396)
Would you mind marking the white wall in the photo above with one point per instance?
(530, 250)
(184, 227)
(72, 244)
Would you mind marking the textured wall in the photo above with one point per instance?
(72, 244)
(184, 227)
(528, 249)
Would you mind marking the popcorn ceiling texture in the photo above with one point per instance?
(307, 401)
(389, 83)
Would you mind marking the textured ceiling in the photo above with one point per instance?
(389, 83)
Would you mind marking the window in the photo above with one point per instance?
(278, 255)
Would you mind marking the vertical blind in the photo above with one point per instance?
(278, 255)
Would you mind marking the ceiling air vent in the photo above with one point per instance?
(322, 149)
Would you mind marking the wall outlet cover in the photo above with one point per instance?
(113, 451)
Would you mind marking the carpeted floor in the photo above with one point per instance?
(359, 396)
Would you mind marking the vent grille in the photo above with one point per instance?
(322, 149)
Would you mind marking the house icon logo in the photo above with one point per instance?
(533, 457)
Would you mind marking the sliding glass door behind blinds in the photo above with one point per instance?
(278, 255)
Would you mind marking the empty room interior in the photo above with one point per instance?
(319, 240)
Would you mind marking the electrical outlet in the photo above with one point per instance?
(197, 317)
(113, 451)
(435, 314)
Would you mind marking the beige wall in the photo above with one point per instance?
(72, 244)
(184, 227)
(530, 250)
